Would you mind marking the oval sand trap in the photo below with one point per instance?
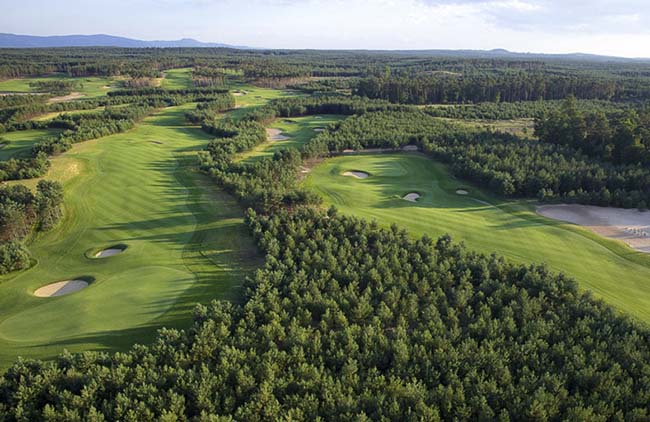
(461, 192)
(319, 129)
(411, 197)
(61, 288)
(357, 174)
(108, 252)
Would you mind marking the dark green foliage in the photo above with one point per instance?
(350, 322)
(622, 138)
(54, 86)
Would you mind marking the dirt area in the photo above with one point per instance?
(627, 225)
(71, 96)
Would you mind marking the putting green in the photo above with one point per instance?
(611, 270)
(299, 130)
(90, 86)
(186, 244)
(19, 143)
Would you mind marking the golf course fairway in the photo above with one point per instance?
(609, 269)
(185, 244)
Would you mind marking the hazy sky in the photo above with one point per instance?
(616, 27)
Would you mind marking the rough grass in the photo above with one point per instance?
(611, 270)
(186, 244)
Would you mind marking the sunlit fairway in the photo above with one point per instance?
(186, 244)
(248, 97)
(299, 130)
(18, 144)
(177, 78)
(88, 86)
(609, 269)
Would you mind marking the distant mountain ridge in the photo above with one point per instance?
(97, 40)
(103, 40)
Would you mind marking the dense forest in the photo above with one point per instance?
(345, 320)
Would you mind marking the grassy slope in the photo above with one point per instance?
(90, 86)
(177, 79)
(299, 132)
(612, 271)
(20, 143)
(187, 244)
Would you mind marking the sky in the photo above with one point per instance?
(610, 27)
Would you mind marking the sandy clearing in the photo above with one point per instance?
(627, 225)
(61, 288)
(461, 192)
(108, 252)
(275, 135)
(71, 96)
(357, 174)
(411, 197)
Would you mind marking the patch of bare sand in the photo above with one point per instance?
(461, 192)
(318, 129)
(357, 174)
(628, 225)
(410, 148)
(275, 135)
(411, 197)
(108, 253)
(61, 288)
(71, 96)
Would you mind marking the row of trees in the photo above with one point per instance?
(475, 88)
(622, 138)
(21, 213)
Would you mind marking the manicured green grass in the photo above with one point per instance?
(253, 96)
(609, 269)
(89, 86)
(177, 78)
(298, 129)
(186, 244)
(18, 144)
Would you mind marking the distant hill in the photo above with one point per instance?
(500, 53)
(98, 40)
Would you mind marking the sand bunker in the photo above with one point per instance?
(3, 144)
(289, 121)
(237, 94)
(411, 148)
(275, 135)
(319, 129)
(318, 117)
(461, 192)
(357, 174)
(412, 197)
(108, 252)
(61, 288)
(628, 225)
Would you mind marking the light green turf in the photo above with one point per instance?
(187, 244)
(254, 97)
(611, 270)
(177, 78)
(19, 143)
(299, 132)
(89, 86)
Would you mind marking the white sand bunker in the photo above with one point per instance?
(108, 252)
(276, 135)
(61, 288)
(318, 129)
(411, 197)
(318, 117)
(410, 148)
(238, 93)
(357, 174)
(461, 192)
(628, 225)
